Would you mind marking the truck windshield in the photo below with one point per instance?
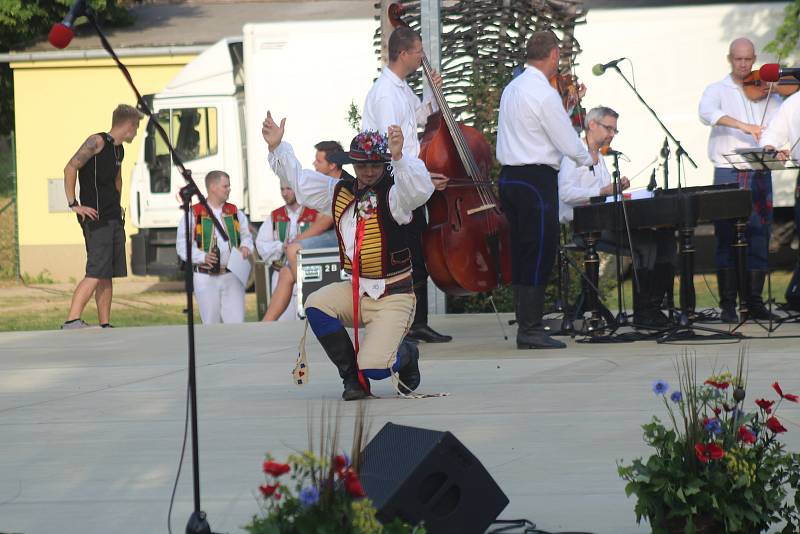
(193, 133)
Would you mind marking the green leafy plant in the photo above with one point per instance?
(321, 492)
(717, 466)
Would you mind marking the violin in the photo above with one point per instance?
(570, 90)
(757, 89)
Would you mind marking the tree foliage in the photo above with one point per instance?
(787, 35)
(23, 22)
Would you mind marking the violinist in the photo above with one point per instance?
(783, 133)
(655, 249)
(737, 122)
(391, 101)
(534, 133)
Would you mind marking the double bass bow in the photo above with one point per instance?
(467, 243)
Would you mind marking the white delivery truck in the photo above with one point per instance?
(309, 72)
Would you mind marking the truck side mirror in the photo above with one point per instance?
(150, 151)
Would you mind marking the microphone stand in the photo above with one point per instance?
(679, 151)
(197, 523)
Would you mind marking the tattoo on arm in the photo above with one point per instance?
(85, 152)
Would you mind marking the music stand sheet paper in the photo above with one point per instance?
(239, 266)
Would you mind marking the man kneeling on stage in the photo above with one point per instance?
(369, 215)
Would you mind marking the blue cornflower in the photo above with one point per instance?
(309, 496)
(660, 387)
(714, 426)
(676, 397)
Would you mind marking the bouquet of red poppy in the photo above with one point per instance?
(720, 465)
(320, 493)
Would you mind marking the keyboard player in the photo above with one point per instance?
(655, 249)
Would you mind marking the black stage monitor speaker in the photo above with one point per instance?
(425, 475)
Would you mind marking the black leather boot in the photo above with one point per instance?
(663, 285)
(529, 310)
(726, 283)
(408, 355)
(339, 349)
(755, 304)
(420, 331)
(645, 312)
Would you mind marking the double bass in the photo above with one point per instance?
(467, 243)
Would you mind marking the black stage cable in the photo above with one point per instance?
(180, 462)
(510, 526)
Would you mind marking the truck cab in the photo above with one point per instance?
(202, 111)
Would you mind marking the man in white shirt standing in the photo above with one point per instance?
(737, 122)
(391, 101)
(369, 215)
(784, 133)
(655, 249)
(220, 294)
(534, 133)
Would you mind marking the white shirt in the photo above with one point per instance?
(533, 127)
(198, 255)
(725, 97)
(784, 129)
(391, 101)
(577, 184)
(412, 188)
(268, 242)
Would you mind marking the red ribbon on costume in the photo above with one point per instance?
(357, 294)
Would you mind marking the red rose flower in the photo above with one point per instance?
(746, 435)
(276, 469)
(788, 396)
(268, 489)
(706, 453)
(353, 485)
(775, 425)
(765, 405)
(339, 463)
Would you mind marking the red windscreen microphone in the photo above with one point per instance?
(772, 72)
(61, 33)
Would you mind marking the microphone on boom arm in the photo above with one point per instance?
(62, 33)
(601, 68)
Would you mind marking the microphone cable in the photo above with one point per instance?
(180, 462)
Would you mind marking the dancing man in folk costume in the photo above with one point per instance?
(369, 214)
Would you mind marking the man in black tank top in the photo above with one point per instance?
(96, 166)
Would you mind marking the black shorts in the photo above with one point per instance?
(105, 249)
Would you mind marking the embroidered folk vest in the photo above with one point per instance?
(204, 226)
(281, 222)
(384, 250)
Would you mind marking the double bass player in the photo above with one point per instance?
(534, 133)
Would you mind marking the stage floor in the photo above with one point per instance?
(91, 421)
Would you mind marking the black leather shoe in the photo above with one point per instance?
(538, 340)
(423, 332)
(409, 367)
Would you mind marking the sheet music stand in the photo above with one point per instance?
(746, 159)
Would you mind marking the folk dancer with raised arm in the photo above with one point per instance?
(369, 214)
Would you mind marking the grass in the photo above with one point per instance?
(705, 287)
(7, 249)
(45, 308)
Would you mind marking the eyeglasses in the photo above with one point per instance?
(609, 129)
